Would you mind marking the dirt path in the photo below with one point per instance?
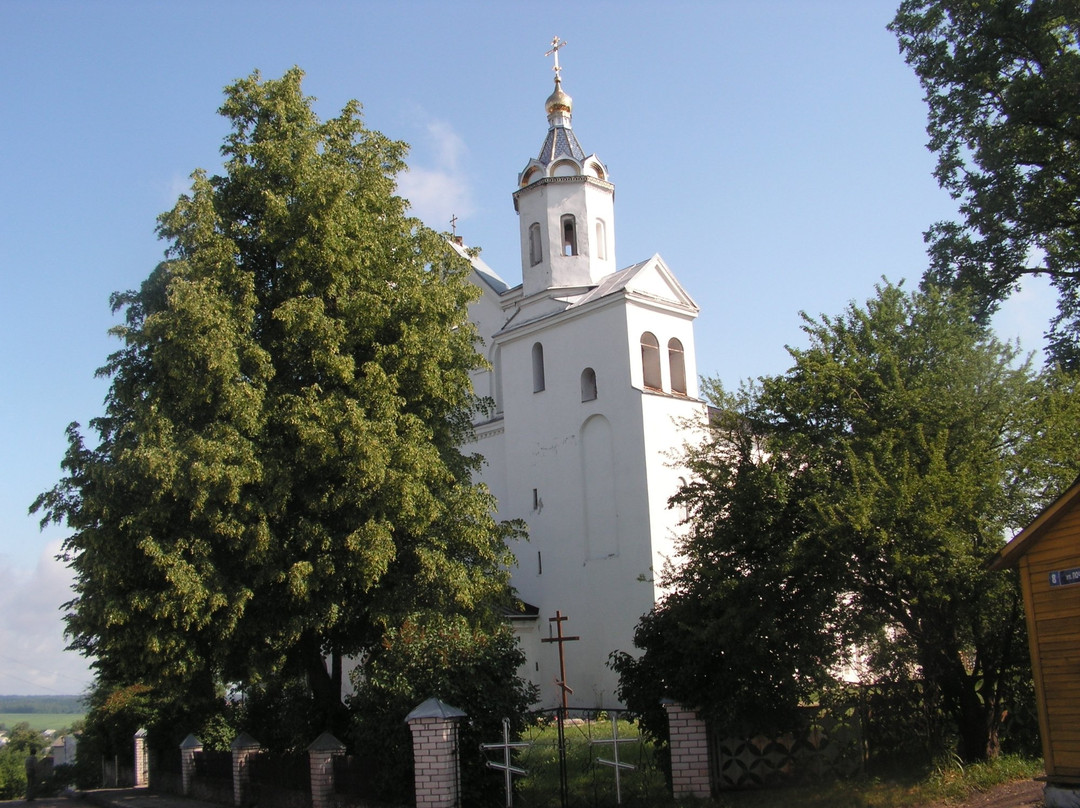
(1021, 794)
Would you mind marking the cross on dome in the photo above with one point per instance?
(556, 44)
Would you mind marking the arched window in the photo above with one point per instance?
(650, 361)
(588, 385)
(564, 168)
(601, 240)
(676, 366)
(538, 367)
(569, 235)
(535, 251)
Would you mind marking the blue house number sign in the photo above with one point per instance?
(1065, 577)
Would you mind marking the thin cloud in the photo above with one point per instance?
(32, 655)
(437, 188)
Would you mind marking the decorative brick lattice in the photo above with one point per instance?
(827, 746)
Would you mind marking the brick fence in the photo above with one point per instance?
(689, 752)
(436, 758)
(434, 726)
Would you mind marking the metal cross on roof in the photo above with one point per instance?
(453, 224)
(556, 44)
(558, 620)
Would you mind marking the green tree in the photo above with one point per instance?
(1004, 120)
(853, 502)
(743, 635)
(24, 740)
(277, 477)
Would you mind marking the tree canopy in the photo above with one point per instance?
(850, 504)
(1004, 120)
(277, 477)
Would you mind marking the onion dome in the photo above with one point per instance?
(559, 101)
(560, 140)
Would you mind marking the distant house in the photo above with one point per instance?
(1047, 553)
(62, 750)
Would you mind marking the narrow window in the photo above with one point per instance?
(538, 367)
(601, 240)
(650, 361)
(569, 235)
(496, 372)
(535, 253)
(588, 385)
(677, 366)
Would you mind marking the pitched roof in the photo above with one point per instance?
(673, 291)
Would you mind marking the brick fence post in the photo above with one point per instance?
(689, 752)
(142, 763)
(188, 747)
(321, 759)
(434, 727)
(243, 748)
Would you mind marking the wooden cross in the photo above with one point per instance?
(558, 620)
(556, 44)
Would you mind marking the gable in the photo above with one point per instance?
(653, 279)
(649, 280)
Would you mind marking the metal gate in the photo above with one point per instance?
(577, 757)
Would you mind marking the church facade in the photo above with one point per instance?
(594, 383)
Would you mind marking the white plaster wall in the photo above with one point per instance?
(670, 421)
(546, 203)
(603, 595)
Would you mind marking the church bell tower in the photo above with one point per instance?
(565, 206)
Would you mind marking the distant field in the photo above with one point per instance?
(40, 721)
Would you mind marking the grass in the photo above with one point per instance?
(951, 783)
(589, 781)
(40, 721)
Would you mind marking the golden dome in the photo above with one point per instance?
(559, 100)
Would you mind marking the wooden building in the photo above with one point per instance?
(1048, 555)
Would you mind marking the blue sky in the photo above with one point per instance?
(772, 152)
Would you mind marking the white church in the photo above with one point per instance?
(592, 374)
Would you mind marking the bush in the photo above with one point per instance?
(469, 667)
(12, 773)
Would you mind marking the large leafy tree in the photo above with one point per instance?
(277, 477)
(853, 502)
(1004, 120)
(741, 635)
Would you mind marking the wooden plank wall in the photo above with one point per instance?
(1054, 614)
